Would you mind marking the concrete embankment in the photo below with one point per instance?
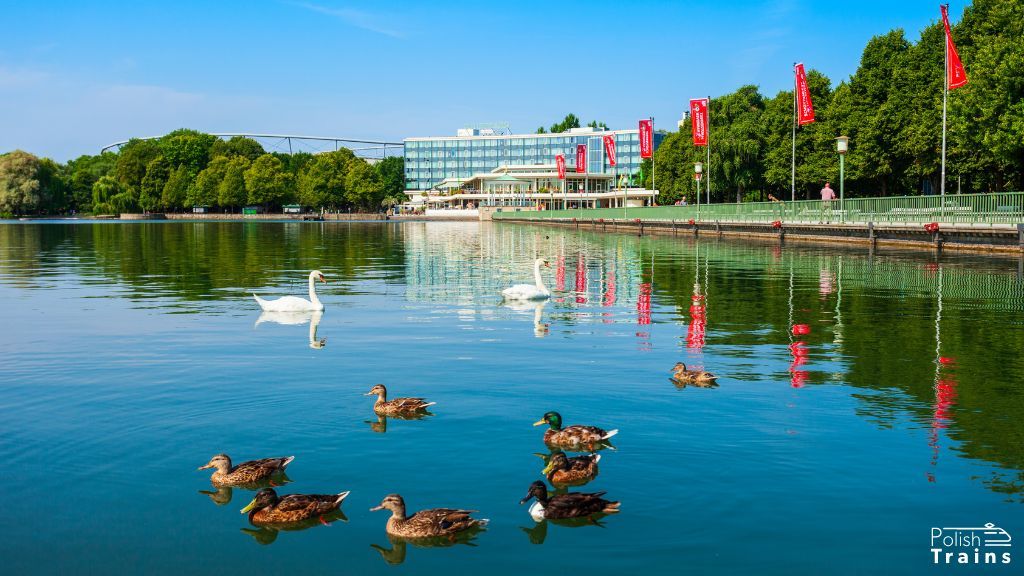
(966, 237)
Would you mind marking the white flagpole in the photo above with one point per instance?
(792, 179)
(707, 165)
(945, 92)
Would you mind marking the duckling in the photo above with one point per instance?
(700, 378)
(398, 405)
(426, 523)
(246, 472)
(268, 508)
(570, 505)
(571, 437)
(576, 471)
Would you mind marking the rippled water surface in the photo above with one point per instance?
(131, 353)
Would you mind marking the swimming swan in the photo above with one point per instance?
(294, 303)
(535, 291)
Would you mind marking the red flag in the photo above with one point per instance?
(609, 149)
(804, 106)
(956, 76)
(560, 162)
(646, 138)
(699, 121)
(581, 158)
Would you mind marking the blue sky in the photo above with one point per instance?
(76, 76)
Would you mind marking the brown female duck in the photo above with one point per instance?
(426, 523)
(398, 405)
(572, 437)
(570, 505)
(268, 508)
(246, 472)
(681, 375)
(576, 471)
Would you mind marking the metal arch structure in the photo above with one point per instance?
(368, 149)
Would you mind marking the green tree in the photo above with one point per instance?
(322, 181)
(157, 173)
(82, 172)
(188, 148)
(267, 182)
(103, 191)
(176, 188)
(20, 190)
(391, 172)
(541, 130)
(205, 190)
(363, 188)
(570, 121)
(237, 146)
(232, 193)
(132, 160)
(597, 125)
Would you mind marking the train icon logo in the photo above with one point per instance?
(988, 544)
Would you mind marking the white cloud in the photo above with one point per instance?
(353, 17)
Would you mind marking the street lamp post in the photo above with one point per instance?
(698, 168)
(842, 145)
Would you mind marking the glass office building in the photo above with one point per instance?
(430, 161)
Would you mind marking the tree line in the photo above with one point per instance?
(890, 108)
(187, 168)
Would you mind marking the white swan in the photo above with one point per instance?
(294, 303)
(527, 291)
(297, 318)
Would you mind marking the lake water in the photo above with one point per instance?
(131, 353)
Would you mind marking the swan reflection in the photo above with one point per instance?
(296, 319)
(540, 328)
(395, 555)
(265, 535)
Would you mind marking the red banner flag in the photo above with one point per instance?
(699, 121)
(560, 162)
(609, 149)
(804, 106)
(646, 138)
(581, 158)
(956, 76)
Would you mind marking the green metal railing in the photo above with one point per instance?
(986, 209)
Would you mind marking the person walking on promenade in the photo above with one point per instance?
(827, 196)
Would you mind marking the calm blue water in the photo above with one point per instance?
(131, 353)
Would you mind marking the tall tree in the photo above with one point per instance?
(152, 190)
(322, 180)
(237, 146)
(205, 190)
(232, 193)
(176, 188)
(103, 191)
(570, 121)
(132, 160)
(20, 191)
(189, 148)
(267, 182)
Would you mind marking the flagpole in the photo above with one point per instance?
(653, 172)
(792, 178)
(707, 114)
(945, 92)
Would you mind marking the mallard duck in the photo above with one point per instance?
(576, 471)
(571, 436)
(426, 523)
(570, 505)
(246, 472)
(268, 508)
(266, 534)
(398, 405)
(682, 375)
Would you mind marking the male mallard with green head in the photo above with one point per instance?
(398, 405)
(426, 523)
(574, 436)
(576, 471)
(268, 508)
(570, 505)
(246, 472)
(700, 378)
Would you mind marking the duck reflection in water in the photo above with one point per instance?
(223, 494)
(267, 534)
(380, 425)
(540, 328)
(395, 555)
(296, 319)
(563, 471)
(538, 533)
